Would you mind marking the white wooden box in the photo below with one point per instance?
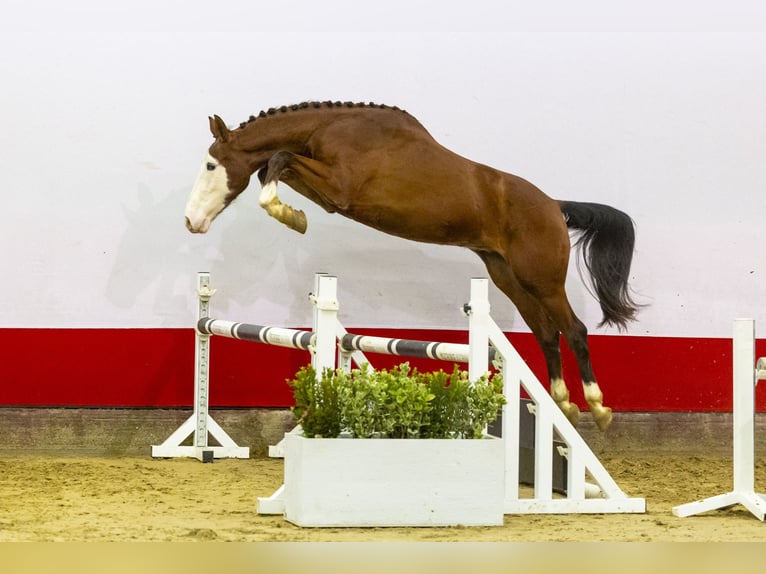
(393, 482)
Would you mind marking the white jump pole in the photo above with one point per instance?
(746, 377)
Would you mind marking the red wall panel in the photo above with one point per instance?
(155, 368)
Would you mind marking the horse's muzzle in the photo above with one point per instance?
(201, 229)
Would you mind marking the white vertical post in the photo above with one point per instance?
(511, 426)
(575, 473)
(478, 335)
(544, 449)
(478, 358)
(200, 424)
(744, 405)
(325, 321)
(202, 363)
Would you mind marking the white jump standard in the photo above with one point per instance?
(747, 373)
(200, 423)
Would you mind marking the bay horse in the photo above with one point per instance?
(379, 166)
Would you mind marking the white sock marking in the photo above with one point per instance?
(268, 193)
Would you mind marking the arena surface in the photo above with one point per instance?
(86, 475)
(53, 498)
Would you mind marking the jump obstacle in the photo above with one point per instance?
(486, 341)
(745, 379)
(200, 423)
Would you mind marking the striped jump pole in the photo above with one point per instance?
(320, 341)
(454, 352)
(277, 336)
(351, 346)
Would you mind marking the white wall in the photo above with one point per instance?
(656, 107)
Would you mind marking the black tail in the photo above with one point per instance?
(606, 241)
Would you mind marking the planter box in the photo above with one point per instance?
(393, 482)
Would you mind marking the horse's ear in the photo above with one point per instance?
(218, 128)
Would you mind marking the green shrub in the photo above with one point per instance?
(395, 403)
(407, 406)
(363, 398)
(317, 403)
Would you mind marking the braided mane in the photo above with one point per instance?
(317, 105)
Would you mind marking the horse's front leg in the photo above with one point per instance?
(294, 218)
(317, 181)
(269, 177)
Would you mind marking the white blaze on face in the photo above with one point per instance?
(208, 196)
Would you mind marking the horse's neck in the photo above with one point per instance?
(285, 131)
(292, 130)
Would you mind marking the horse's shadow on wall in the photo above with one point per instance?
(151, 255)
(377, 274)
(254, 260)
(157, 259)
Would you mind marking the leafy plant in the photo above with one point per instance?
(486, 400)
(317, 405)
(363, 396)
(408, 405)
(395, 403)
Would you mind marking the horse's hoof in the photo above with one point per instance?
(299, 222)
(572, 412)
(603, 417)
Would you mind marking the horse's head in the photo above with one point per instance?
(223, 176)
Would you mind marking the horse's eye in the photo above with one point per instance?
(210, 166)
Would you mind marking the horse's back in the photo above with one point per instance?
(391, 174)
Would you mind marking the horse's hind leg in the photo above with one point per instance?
(547, 336)
(539, 260)
(546, 333)
(576, 335)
